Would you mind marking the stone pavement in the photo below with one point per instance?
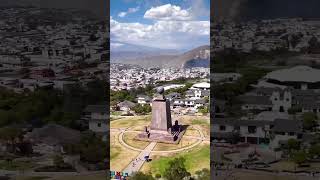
(137, 163)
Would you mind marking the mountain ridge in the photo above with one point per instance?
(197, 57)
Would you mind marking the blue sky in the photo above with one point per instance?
(166, 24)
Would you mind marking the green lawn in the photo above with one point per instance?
(196, 159)
(116, 113)
(200, 122)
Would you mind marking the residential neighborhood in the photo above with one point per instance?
(53, 71)
(266, 110)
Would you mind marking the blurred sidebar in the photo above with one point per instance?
(53, 89)
(265, 82)
(160, 90)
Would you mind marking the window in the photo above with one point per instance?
(281, 109)
(291, 133)
(222, 128)
(276, 99)
(252, 129)
(287, 99)
(99, 124)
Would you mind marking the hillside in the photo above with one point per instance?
(198, 57)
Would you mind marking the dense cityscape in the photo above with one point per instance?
(265, 123)
(52, 85)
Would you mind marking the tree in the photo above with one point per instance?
(314, 151)
(176, 169)
(141, 176)
(309, 120)
(92, 148)
(10, 134)
(203, 109)
(204, 174)
(294, 110)
(299, 157)
(293, 144)
(58, 161)
(142, 109)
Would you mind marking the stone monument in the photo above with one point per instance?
(161, 129)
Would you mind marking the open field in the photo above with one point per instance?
(196, 159)
(119, 155)
(129, 139)
(184, 142)
(126, 122)
(191, 132)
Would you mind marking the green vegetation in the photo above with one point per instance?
(299, 157)
(141, 176)
(194, 160)
(58, 161)
(204, 109)
(142, 109)
(204, 174)
(294, 110)
(314, 151)
(91, 148)
(176, 169)
(47, 105)
(199, 122)
(309, 120)
(16, 165)
(250, 75)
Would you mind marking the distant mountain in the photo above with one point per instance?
(123, 51)
(198, 57)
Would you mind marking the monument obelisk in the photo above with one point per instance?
(161, 129)
(161, 115)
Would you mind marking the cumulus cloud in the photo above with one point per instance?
(168, 12)
(161, 34)
(172, 28)
(129, 11)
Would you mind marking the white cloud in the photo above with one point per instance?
(122, 14)
(133, 10)
(168, 12)
(161, 34)
(116, 45)
(172, 28)
(129, 11)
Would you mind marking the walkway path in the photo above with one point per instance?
(200, 139)
(137, 163)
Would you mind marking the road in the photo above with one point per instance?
(137, 163)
